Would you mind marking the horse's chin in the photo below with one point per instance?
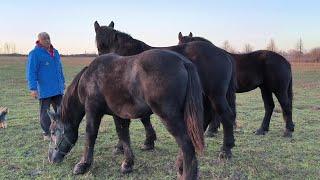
(55, 156)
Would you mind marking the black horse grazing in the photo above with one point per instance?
(271, 73)
(158, 81)
(214, 66)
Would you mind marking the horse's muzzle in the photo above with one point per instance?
(55, 156)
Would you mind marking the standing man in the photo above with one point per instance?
(45, 78)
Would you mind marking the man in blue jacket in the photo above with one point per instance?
(45, 78)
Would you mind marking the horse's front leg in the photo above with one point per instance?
(93, 124)
(150, 134)
(118, 149)
(124, 136)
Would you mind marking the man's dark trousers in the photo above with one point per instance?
(45, 103)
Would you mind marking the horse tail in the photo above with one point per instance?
(231, 92)
(193, 110)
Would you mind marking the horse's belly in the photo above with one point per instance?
(245, 84)
(133, 110)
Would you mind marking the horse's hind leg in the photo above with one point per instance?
(286, 105)
(227, 119)
(93, 123)
(213, 126)
(150, 134)
(268, 107)
(123, 133)
(187, 163)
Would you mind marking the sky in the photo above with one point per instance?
(157, 23)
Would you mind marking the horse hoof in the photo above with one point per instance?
(117, 151)
(147, 147)
(126, 168)
(210, 134)
(261, 132)
(225, 155)
(287, 133)
(81, 168)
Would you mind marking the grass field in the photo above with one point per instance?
(23, 153)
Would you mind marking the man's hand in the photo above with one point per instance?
(34, 94)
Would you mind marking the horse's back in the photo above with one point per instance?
(162, 77)
(261, 68)
(277, 71)
(214, 65)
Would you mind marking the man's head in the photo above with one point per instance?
(44, 39)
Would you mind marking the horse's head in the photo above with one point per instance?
(190, 38)
(185, 39)
(106, 37)
(61, 142)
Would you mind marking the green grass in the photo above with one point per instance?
(23, 153)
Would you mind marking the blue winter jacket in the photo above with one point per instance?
(44, 73)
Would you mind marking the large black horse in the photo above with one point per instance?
(271, 73)
(158, 81)
(215, 68)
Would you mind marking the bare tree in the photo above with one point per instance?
(6, 48)
(13, 48)
(247, 48)
(299, 47)
(315, 54)
(272, 46)
(228, 47)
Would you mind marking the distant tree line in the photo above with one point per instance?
(296, 54)
(8, 48)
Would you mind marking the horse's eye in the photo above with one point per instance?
(52, 132)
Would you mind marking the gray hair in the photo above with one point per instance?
(43, 35)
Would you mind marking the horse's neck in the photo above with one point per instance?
(140, 47)
(73, 112)
(133, 47)
(145, 46)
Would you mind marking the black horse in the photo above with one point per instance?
(216, 72)
(158, 81)
(267, 70)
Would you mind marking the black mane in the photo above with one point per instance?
(69, 97)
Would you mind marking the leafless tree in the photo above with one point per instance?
(8, 48)
(299, 47)
(228, 47)
(247, 48)
(315, 54)
(272, 46)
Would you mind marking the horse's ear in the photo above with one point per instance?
(51, 115)
(190, 34)
(96, 26)
(180, 36)
(111, 25)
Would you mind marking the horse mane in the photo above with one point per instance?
(201, 39)
(122, 39)
(71, 94)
